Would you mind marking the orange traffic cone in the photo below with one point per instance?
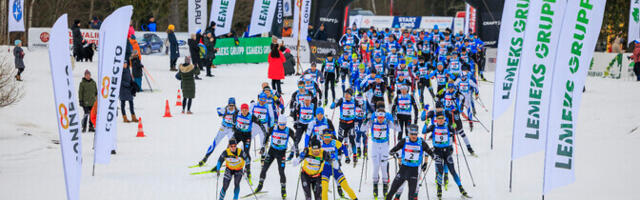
(140, 131)
(167, 111)
(179, 101)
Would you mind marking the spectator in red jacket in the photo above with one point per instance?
(276, 68)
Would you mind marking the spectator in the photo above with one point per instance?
(276, 68)
(151, 25)
(173, 47)
(290, 62)
(127, 92)
(18, 53)
(187, 76)
(194, 52)
(77, 39)
(136, 63)
(95, 23)
(320, 34)
(246, 33)
(636, 59)
(87, 94)
(210, 52)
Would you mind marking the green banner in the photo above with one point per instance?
(249, 50)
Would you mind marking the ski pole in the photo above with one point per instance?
(482, 104)
(251, 188)
(217, 195)
(361, 173)
(298, 183)
(455, 144)
(150, 88)
(479, 122)
(467, 162)
(148, 74)
(425, 177)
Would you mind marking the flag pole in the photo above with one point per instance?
(299, 4)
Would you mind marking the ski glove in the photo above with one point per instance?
(347, 160)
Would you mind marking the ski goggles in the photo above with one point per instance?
(380, 115)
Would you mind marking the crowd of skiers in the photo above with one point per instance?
(380, 73)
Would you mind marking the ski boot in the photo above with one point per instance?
(439, 191)
(397, 196)
(470, 126)
(214, 169)
(113, 152)
(283, 191)
(375, 191)
(463, 193)
(385, 189)
(340, 192)
(249, 176)
(259, 188)
(365, 152)
(471, 152)
(446, 182)
(359, 152)
(355, 160)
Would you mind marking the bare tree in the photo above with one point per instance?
(3, 22)
(10, 91)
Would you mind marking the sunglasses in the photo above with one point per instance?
(233, 146)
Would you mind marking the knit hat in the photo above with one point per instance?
(87, 72)
(232, 141)
(171, 27)
(244, 106)
(17, 42)
(282, 120)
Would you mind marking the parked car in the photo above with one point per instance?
(150, 43)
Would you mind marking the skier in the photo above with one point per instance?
(442, 134)
(316, 127)
(347, 117)
(234, 159)
(228, 115)
(451, 101)
(331, 74)
(441, 75)
(344, 63)
(316, 74)
(413, 150)
(332, 169)
(243, 132)
(363, 110)
(379, 126)
(265, 114)
(279, 136)
(422, 73)
(303, 114)
(466, 88)
(298, 97)
(313, 161)
(402, 107)
(379, 88)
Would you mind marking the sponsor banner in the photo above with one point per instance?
(222, 14)
(250, 50)
(305, 51)
(197, 15)
(66, 107)
(301, 19)
(278, 20)
(376, 21)
(442, 22)
(578, 38)
(262, 16)
(39, 37)
(407, 22)
(634, 21)
(111, 59)
(534, 76)
(331, 14)
(320, 49)
(16, 16)
(488, 16)
(611, 65)
(509, 54)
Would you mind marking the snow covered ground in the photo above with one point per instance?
(155, 167)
